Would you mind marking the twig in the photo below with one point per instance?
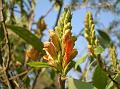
(62, 82)
(104, 69)
(8, 43)
(30, 19)
(31, 15)
(12, 3)
(27, 6)
(40, 72)
(7, 80)
(49, 11)
(1, 14)
(59, 12)
(34, 83)
(18, 75)
(115, 82)
(80, 33)
(5, 67)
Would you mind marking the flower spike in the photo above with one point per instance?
(60, 50)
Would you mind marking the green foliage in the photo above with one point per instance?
(81, 60)
(78, 84)
(99, 78)
(72, 65)
(52, 74)
(38, 64)
(16, 55)
(98, 50)
(27, 36)
(104, 39)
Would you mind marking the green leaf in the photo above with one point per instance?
(52, 74)
(72, 65)
(110, 85)
(104, 38)
(99, 78)
(81, 60)
(78, 84)
(27, 36)
(38, 64)
(98, 50)
(104, 35)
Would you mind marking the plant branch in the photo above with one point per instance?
(115, 82)
(49, 11)
(104, 69)
(18, 75)
(61, 82)
(7, 43)
(59, 12)
(40, 72)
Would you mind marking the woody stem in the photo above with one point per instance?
(61, 82)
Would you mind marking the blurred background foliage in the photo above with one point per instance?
(22, 42)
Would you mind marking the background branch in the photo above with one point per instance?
(59, 12)
(5, 67)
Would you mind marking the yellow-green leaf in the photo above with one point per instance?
(81, 60)
(38, 64)
(78, 84)
(98, 50)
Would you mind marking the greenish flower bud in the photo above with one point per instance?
(86, 35)
(96, 42)
(90, 32)
(113, 57)
(67, 26)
